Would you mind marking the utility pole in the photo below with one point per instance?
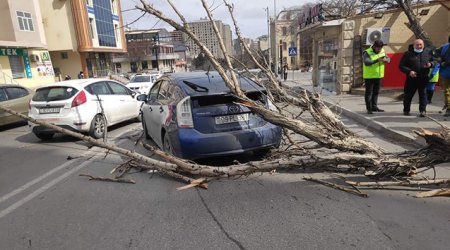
(268, 39)
(275, 35)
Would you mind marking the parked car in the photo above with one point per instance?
(14, 97)
(75, 105)
(194, 115)
(141, 84)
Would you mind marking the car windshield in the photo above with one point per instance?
(141, 79)
(49, 94)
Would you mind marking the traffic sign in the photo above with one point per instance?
(292, 51)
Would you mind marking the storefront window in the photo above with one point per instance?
(17, 68)
(327, 55)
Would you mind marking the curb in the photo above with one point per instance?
(370, 124)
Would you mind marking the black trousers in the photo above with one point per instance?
(411, 86)
(371, 94)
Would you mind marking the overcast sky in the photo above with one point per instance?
(250, 14)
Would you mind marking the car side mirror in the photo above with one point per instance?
(133, 94)
(142, 98)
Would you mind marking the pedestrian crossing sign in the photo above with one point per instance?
(292, 51)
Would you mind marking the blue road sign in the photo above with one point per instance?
(292, 51)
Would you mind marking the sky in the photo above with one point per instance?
(251, 15)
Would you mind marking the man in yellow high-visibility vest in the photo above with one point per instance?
(374, 59)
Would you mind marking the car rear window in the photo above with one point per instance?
(49, 94)
(141, 79)
(201, 101)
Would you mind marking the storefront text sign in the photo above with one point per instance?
(311, 15)
(11, 52)
(26, 61)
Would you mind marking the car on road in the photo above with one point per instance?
(194, 115)
(142, 83)
(83, 105)
(14, 97)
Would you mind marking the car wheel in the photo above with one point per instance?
(44, 136)
(144, 127)
(98, 127)
(167, 147)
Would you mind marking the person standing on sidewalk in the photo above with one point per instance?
(416, 64)
(374, 59)
(285, 72)
(444, 74)
(433, 79)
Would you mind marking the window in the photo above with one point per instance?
(25, 21)
(3, 95)
(98, 88)
(118, 89)
(17, 68)
(16, 92)
(104, 23)
(154, 91)
(116, 31)
(284, 46)
(292, 44)
(64, 55)
(164, 92)
(283, 31)
(91, 27)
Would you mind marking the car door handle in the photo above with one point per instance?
(161, 109)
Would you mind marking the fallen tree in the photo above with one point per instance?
(325, 143)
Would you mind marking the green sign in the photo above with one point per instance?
(45, 56)
(11, 52)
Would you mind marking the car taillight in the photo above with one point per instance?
(79, 99)
(184, 113)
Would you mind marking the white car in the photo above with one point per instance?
(142, 83)
(75, 105)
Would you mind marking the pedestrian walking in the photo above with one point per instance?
(285, 72)
(416, 64)
(374, 59)
(433, 79)
(444, 74)
(81, 75)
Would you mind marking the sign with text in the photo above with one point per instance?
(11, 52)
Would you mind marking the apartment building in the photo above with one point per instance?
(24, 58)
(205, 31)
(82, 35)
(148, 50)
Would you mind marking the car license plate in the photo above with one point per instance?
(231, 118)
(49, 110)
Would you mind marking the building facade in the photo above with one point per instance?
(24, 58)
(337, 45)
(283, 37)
(82, 35)
(148, 50)
(205, 32)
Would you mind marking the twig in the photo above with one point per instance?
(332, 185)
(108, 179)
(398, 183)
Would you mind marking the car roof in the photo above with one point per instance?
(80, 83)
(212, 82)
(3, 85)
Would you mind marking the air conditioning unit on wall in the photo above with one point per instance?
(34, 58)
(381, 33)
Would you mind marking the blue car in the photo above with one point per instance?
(194, 115)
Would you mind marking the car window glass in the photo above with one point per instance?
(15, 92)
(164, 93)
(99, 88)
(154, 91)
(141, 79)
(56, 93)
(118, 89)
(176, 92)
(2, 95)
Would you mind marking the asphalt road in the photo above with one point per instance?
(44, 204)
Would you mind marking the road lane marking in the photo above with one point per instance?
(45, 187)
(54, 181)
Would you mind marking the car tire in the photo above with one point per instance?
(167, 146)
(98, 127)
(144, 128)
(44, 136)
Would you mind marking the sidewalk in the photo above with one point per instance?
(391, 123)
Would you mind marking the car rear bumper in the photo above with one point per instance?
(191, 144)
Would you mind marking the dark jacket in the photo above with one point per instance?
(412, 61)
